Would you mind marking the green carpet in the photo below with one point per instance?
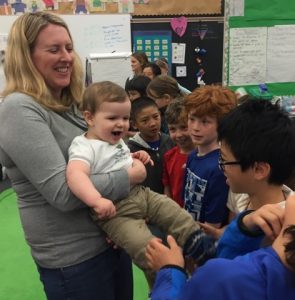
(18, 275)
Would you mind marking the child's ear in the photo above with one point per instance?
(133, 124)
(88, 117)
(262, 170)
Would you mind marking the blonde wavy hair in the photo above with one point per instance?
(21, 73)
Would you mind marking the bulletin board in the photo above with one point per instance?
(271, 20)
(203, 33)
(183, 7)
(134, 7)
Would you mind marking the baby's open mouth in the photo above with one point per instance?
(116, 133)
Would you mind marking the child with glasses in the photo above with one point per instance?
(267, 273)
(257, 156)
(205, 188)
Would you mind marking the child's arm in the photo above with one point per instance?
(214, 231)
(80, 184)
(211, 230)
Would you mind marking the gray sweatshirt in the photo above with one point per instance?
(34, 144)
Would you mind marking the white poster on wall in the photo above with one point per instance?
(178, 53)
(236, 7)
(281, 54)
(247, 55)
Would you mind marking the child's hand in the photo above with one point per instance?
(105, 209)
(209, 229)
(143, 156)
(269, 218)
(158, 255)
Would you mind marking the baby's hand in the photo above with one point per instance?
(143, 156)
(105, 209)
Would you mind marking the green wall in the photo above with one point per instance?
(266, 13)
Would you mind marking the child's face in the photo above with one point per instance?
(110, 122)
(203, 130)
(180, 135)
(148, 72)
(239, 181)
(133, 95)
(160, 101)
(148, 122)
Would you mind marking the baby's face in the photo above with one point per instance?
(111, 122)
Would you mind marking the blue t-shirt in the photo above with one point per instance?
(205, 189)
(257, 275)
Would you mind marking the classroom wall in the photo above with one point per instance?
(268, 28)
(200, 33)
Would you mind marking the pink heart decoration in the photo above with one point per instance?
(179, 25)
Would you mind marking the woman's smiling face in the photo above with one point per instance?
(53, 57)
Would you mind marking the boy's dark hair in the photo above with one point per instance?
(138, 83)
(175, 112)
(139, 104)
(259, 131)
(154, 67)
(290, 247)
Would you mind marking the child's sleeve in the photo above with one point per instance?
(234, 242)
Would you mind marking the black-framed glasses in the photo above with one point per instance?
(222, 163)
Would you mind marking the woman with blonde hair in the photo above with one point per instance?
(40, 117)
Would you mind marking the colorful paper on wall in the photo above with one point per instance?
(154, 43)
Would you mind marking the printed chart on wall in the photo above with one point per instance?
(257, 55)
(154, 43)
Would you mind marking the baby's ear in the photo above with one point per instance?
(88, 117)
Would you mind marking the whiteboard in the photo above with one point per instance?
(92, 33)
(114, 67)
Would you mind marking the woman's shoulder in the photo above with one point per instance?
(18, 100)
(20, 105)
